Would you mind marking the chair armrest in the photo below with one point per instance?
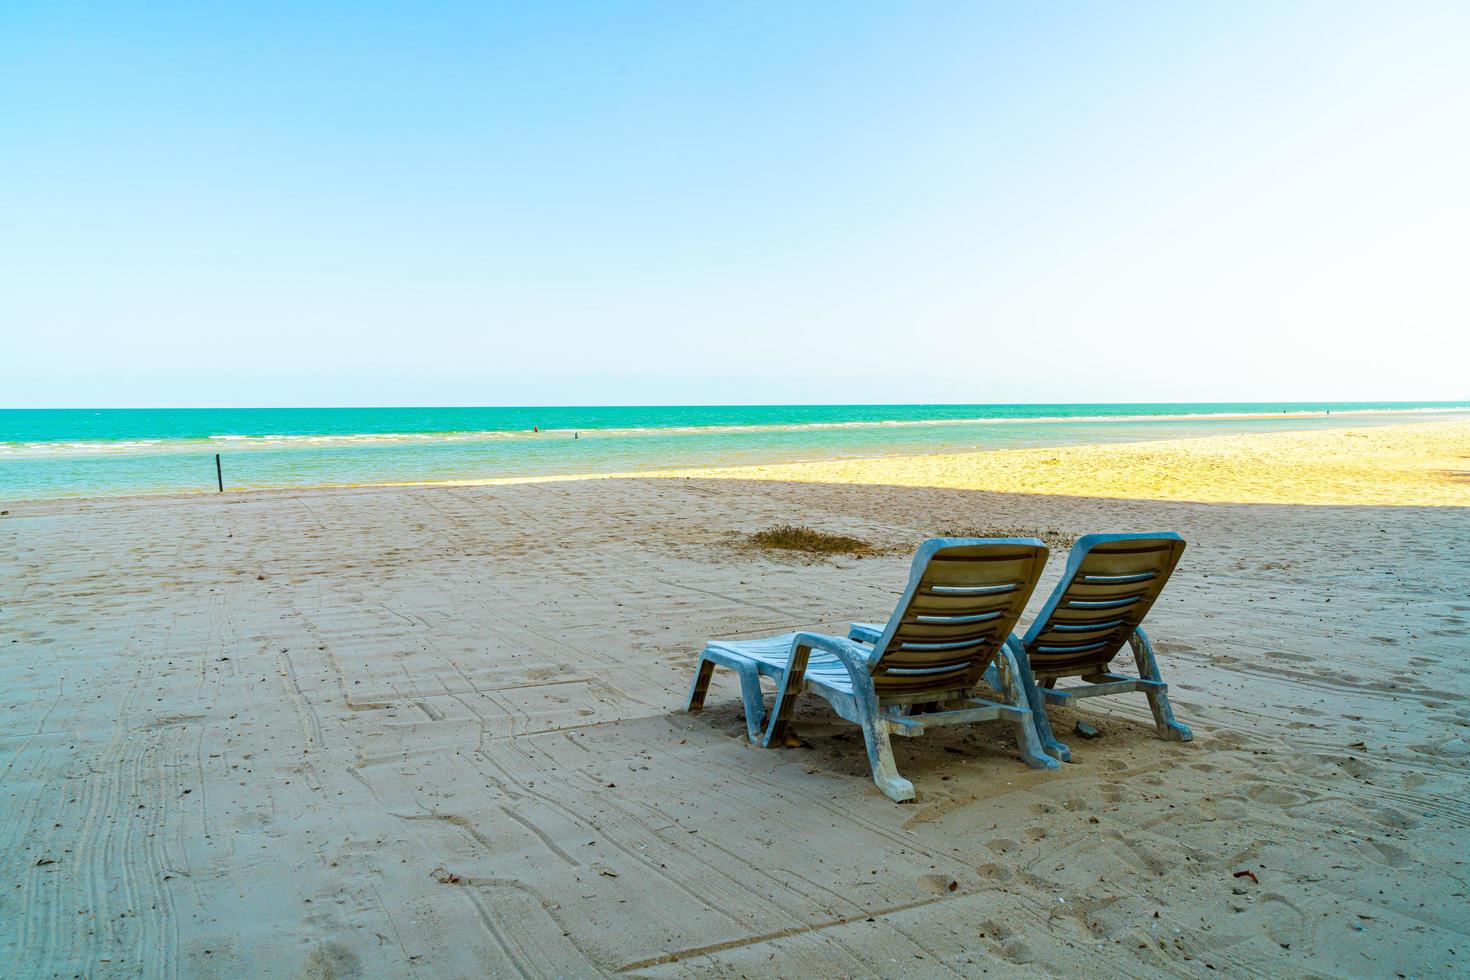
(854, 656)
(869, 633)
(851, 655)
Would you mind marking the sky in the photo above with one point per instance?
(759, 202)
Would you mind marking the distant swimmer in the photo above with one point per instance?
(535, 428)
(576, 435)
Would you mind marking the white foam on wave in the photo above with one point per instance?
(242, 442)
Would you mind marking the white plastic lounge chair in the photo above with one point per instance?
(1108, 586)
(920, 670)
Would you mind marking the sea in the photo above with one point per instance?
(49, 453)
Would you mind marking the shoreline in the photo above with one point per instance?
(1409, 464)
(122, 446)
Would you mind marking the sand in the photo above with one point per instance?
(1424, 465)
(437, 731)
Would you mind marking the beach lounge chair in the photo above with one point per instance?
(921, 670)
(1110, 583)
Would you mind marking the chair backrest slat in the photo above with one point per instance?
(1110, 583)
(962, 601)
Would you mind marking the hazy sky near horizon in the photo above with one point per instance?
(590, 203)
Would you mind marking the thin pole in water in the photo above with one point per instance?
(219, 473)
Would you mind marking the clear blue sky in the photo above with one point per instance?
(521, 203)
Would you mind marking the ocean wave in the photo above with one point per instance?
(243, 442)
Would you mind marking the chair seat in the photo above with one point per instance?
(770, 655)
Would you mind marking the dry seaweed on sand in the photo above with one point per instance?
(792, 537)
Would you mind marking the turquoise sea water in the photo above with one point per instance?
(87, 452)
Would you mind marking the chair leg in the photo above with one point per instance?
(755, 705)
(1158, 699)
(1033, 753)
(750, 693)
(787, 689)
(1037, 703)
(700, 687)
(880, 749)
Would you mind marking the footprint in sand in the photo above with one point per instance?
(996, 872)
(1352, 765)
(938, 884)
(1456, 748)
(1137, 853)
(1272, 794)
(330, 960)
(1382, 852)
(1006, 942)
(1092, 917)
(1285, 923)
(1387, 816)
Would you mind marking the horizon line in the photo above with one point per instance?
(1425, 403)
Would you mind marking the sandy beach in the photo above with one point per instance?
(1404, 465)
(437, 731)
